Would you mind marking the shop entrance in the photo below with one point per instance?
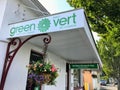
(77, 79)
(74, 78)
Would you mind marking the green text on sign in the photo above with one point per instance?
(84, 66)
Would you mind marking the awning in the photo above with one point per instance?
(71, 36)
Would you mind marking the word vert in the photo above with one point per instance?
(43, 25)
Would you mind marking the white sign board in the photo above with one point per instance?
(59, 22)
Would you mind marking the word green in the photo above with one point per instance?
(21, 29)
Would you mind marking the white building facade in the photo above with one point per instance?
(68, 45)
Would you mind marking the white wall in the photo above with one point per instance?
(15, 11)
(2, 44)
(17, 76)
(2, 9)
(3, 47)
(61, 64)
(10, 12)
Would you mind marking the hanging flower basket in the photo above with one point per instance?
(42, 73)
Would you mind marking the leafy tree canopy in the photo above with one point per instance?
(103, 15)
(104, 18)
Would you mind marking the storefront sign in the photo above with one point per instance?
(84, 66)
(59, 22)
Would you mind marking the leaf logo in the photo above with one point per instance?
(44, 25)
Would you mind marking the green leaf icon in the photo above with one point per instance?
(44, 25)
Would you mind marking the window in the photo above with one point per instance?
(34, 57)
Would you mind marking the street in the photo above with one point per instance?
(108, 87)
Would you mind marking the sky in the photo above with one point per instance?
(56, 6)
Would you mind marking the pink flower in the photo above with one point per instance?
(53, 69)
(40, 65)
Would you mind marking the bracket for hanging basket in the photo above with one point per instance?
(17, 43)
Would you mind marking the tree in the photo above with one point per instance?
(102, 14)
(109, 50)
(104, 18)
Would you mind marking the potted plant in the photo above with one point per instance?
(42, 73)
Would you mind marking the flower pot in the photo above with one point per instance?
(46, 77)
(37, 88)
(42, 73)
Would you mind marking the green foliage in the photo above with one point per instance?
(109, 51)
(104, 18)
(102, 14)
(42, 73)
(104, 78)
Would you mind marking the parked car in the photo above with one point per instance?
(103, 82)
(116, 83)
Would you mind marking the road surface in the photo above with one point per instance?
(108, 87)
